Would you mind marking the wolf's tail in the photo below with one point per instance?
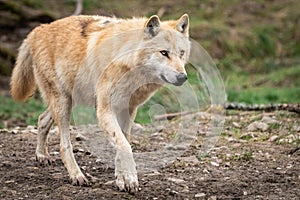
(22, 80)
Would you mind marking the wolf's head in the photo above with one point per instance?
(167, 48)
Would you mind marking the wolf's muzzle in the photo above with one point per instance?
(181, 78)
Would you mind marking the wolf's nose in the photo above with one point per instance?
(181, 77)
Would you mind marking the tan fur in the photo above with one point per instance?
(114, 63)
(22, 79)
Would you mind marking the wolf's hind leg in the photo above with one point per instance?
(44, 124)
(61, 109)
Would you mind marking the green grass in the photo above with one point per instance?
(27, 112)
(264, 95)
(256, 47)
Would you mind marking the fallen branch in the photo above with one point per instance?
(169, 116)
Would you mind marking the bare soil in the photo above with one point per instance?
(248, 162)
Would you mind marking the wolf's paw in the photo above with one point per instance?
(127, 182)
(79, 180)
(125, 172)
(43, 160)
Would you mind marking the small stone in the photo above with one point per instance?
(296, 128)
(186, 189)
(55, 153)
(109, 183)
(137, 127)
(269, 120)
(30, 128)
(173, 192)
(190, 160)
(15, 131)
(236, 125)
(247, 136)
(214, 164)
(57, 175)
(9, 181)
(212, 198)
(176, 180)
(200, 195)
(81, 150)
(80, 137)
(4, 131)
(273, 138)
(258, 126)
(154, 173)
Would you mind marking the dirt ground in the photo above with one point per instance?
(257, 156)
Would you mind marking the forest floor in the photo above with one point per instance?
(256, 156)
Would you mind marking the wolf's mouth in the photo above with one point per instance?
(164, 79)
(177, 83)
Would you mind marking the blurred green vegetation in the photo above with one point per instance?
(15, 113)
(255, 44)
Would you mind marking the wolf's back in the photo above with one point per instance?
(22, 79)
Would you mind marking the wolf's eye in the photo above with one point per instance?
(165, 53)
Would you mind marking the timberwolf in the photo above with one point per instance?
(116, 64)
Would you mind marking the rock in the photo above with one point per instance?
(80, 137)
(258, 126)
(16, 130)
(30, 128)
(236, 125)
(57, 175)
(247, 136)
(4, 131)
(212, 198)
(296, 128)
(54, 153)
(214, 164)
(137, 127)
(185, 189)
(9, 181)
(154, 173)
(289, 139)
(273, 138)
(190, 160)
(109, 183)
(173, 192)
(176, 180)
(200, 195)
(269, 120)
(81, 150)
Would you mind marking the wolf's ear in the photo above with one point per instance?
(152, 26)
(182, 24)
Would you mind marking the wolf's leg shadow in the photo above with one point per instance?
(44, 124)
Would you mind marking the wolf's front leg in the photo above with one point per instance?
(125, 171)
(125, 167)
